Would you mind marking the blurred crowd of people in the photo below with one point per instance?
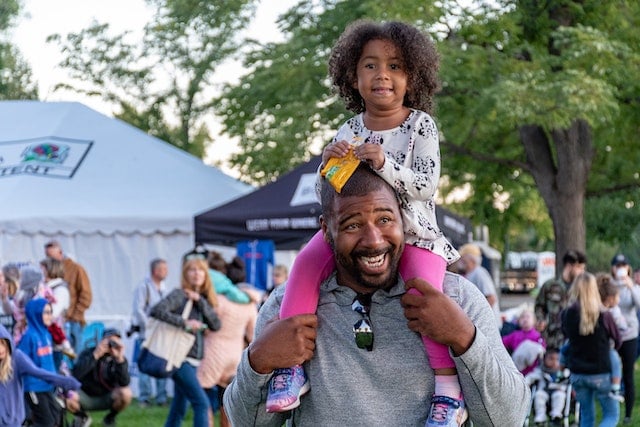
(48, 368)
(582, 330)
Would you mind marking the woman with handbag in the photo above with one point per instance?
(195, 287)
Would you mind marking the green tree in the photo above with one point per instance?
(541, 92)
(538, 109)
(163, 82)
(16, 80)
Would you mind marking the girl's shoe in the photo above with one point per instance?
(285, 388)
(446, 412)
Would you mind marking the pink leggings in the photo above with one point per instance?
(315, 263)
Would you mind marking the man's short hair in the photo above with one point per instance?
(574, 257)
(155, 262)
(111, 332)
(52, 244)
(362, 182)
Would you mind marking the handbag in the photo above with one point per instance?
(165, 347)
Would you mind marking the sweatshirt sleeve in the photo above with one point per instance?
(246, 393)
(24, 366)
(487, 374)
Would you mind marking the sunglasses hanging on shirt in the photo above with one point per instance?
(362, 329)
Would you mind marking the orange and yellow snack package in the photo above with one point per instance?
(338, 170)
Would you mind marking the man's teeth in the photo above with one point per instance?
(373, 262)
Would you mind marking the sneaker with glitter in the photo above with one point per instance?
(285, 388)
(446, 412)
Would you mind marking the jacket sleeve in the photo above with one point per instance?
(80, 292)
(169, 309)
(209, 315)
(612, 329)
(139, 305)
(120, 372)
(540, 306)
(84, 364)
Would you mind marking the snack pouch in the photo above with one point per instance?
(338, 170)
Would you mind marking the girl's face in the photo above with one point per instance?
(4, 349)
(195, 276)
(552, 361)
(381, 78)
(526, 320)
(47, 315)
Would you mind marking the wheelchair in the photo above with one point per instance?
(569, 407)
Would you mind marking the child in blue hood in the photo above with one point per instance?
(36, 343)
(14, 367)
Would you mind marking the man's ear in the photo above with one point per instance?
(325, 229)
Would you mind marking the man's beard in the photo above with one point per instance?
(350, 266)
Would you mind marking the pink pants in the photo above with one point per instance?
(315, 263)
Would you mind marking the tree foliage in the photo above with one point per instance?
(163, 82)
(16, 80)
(538, 110)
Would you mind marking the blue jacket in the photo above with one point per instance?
(11, 392)
(36, 343)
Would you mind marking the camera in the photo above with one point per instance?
(114, 344)
(133, 330)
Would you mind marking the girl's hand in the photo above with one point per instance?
(193, 325)
(192, 295)
(337, 149)
(372, 154)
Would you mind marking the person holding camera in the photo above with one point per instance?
(103, 372)
(147, 294)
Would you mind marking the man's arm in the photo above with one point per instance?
(79, 290)
(84, 364)
(84, 298)
(273, 346)
(140, 305)
(540, 308)
(485, 370)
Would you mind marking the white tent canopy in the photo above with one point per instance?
(113, 196)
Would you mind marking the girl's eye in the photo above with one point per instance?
(395, 66)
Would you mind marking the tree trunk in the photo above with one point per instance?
(562, 181)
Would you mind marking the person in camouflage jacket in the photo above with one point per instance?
(553, 296)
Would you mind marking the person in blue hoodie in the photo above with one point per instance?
(37, 344)
(14, 367)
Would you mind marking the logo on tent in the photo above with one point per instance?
(47, 157)
(305, 191)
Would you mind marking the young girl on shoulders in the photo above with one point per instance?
(386, 73)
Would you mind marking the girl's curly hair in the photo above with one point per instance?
(419, 56)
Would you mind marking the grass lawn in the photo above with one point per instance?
(134, 416)
(154, 416)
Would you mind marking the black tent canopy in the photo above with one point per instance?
(286, 211)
